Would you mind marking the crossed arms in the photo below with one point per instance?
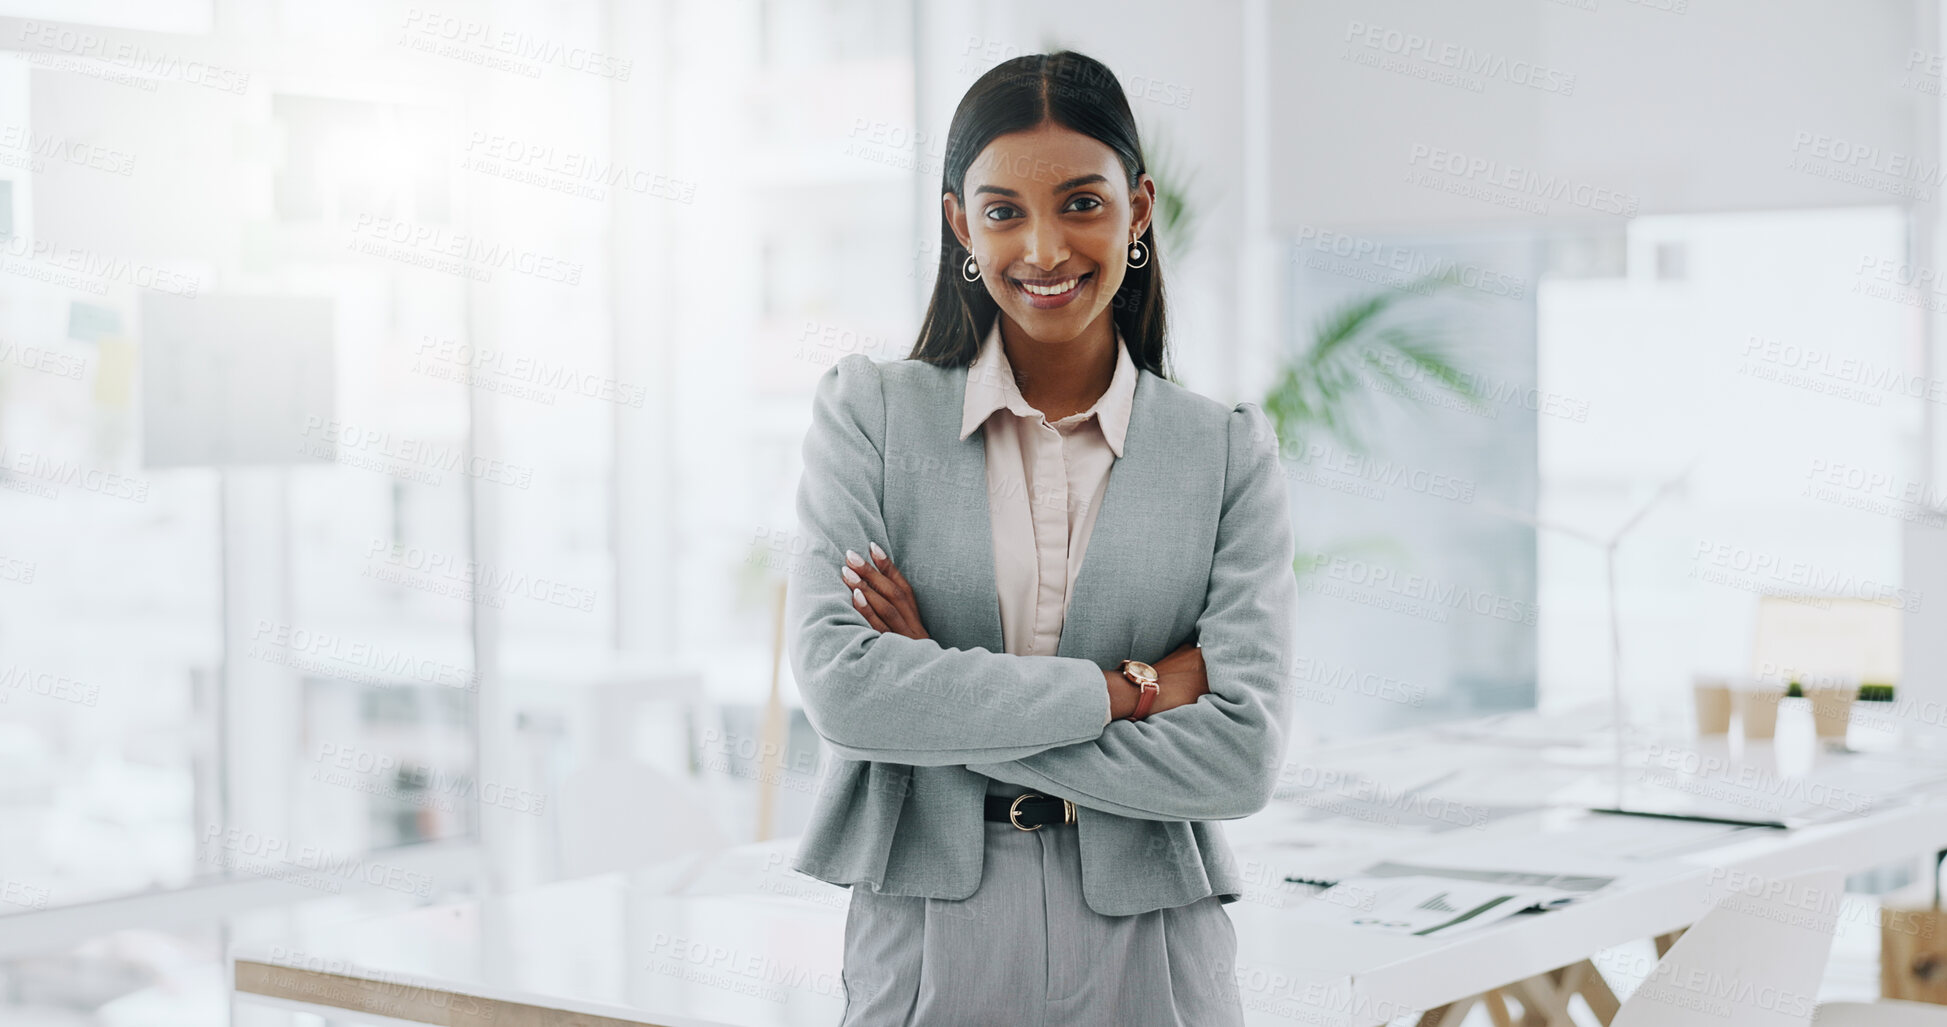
(1040, 720)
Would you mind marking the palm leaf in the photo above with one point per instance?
(1362, 346)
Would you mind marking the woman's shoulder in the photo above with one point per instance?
(1188, 406)
(909, 372)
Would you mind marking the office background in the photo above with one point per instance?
(400, 403)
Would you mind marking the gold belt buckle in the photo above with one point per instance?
(1014, 811)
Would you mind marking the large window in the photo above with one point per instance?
(1754, 369)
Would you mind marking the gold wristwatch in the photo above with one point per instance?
(1143, 676)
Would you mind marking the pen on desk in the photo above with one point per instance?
(1310, 881)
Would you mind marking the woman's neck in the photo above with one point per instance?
(1061, 378)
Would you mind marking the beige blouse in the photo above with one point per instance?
(1044, 480)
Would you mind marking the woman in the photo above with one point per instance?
(1021, 804)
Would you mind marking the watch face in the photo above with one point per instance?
(1140, 671)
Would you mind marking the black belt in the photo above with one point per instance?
(1030, 811)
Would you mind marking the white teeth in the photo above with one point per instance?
(1043, 290)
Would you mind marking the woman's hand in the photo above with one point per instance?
(1181, 678)
(1180, 681)
(881, 593)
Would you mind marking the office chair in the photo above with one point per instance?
(1754, 961)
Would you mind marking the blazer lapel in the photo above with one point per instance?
(975, 521)
(1117, 528)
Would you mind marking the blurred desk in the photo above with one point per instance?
(738, 939)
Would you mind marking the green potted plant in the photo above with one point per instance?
(1793, 734)
(1872, 726)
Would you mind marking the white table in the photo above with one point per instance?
(737, 939)
(1669, 872)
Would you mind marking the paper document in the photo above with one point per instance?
(1424, 901)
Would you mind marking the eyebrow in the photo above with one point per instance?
(1060, 187)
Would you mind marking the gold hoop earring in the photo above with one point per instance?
(970, 268)
(1138, 253)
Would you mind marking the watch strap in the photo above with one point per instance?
(1146, 700)
(1146, 692)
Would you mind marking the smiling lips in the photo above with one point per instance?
(1051, 292)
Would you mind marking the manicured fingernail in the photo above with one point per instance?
(877, 553)
(858, 597)
(854, 559)
(849, 576)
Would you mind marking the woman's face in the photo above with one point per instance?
(1049, 219)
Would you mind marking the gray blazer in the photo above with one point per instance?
(1192, 540)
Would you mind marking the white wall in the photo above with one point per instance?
(1699, 109)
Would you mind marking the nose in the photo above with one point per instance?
(1047, 247)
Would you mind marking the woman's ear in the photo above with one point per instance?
(1142, 204)
(956, 219)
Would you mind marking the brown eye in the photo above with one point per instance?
(1090, 200)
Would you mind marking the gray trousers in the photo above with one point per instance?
(1025, 950)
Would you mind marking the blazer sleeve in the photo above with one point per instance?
(1216, 758)
(886, 697)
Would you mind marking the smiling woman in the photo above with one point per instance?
(1046, 225)
(1031, 746)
